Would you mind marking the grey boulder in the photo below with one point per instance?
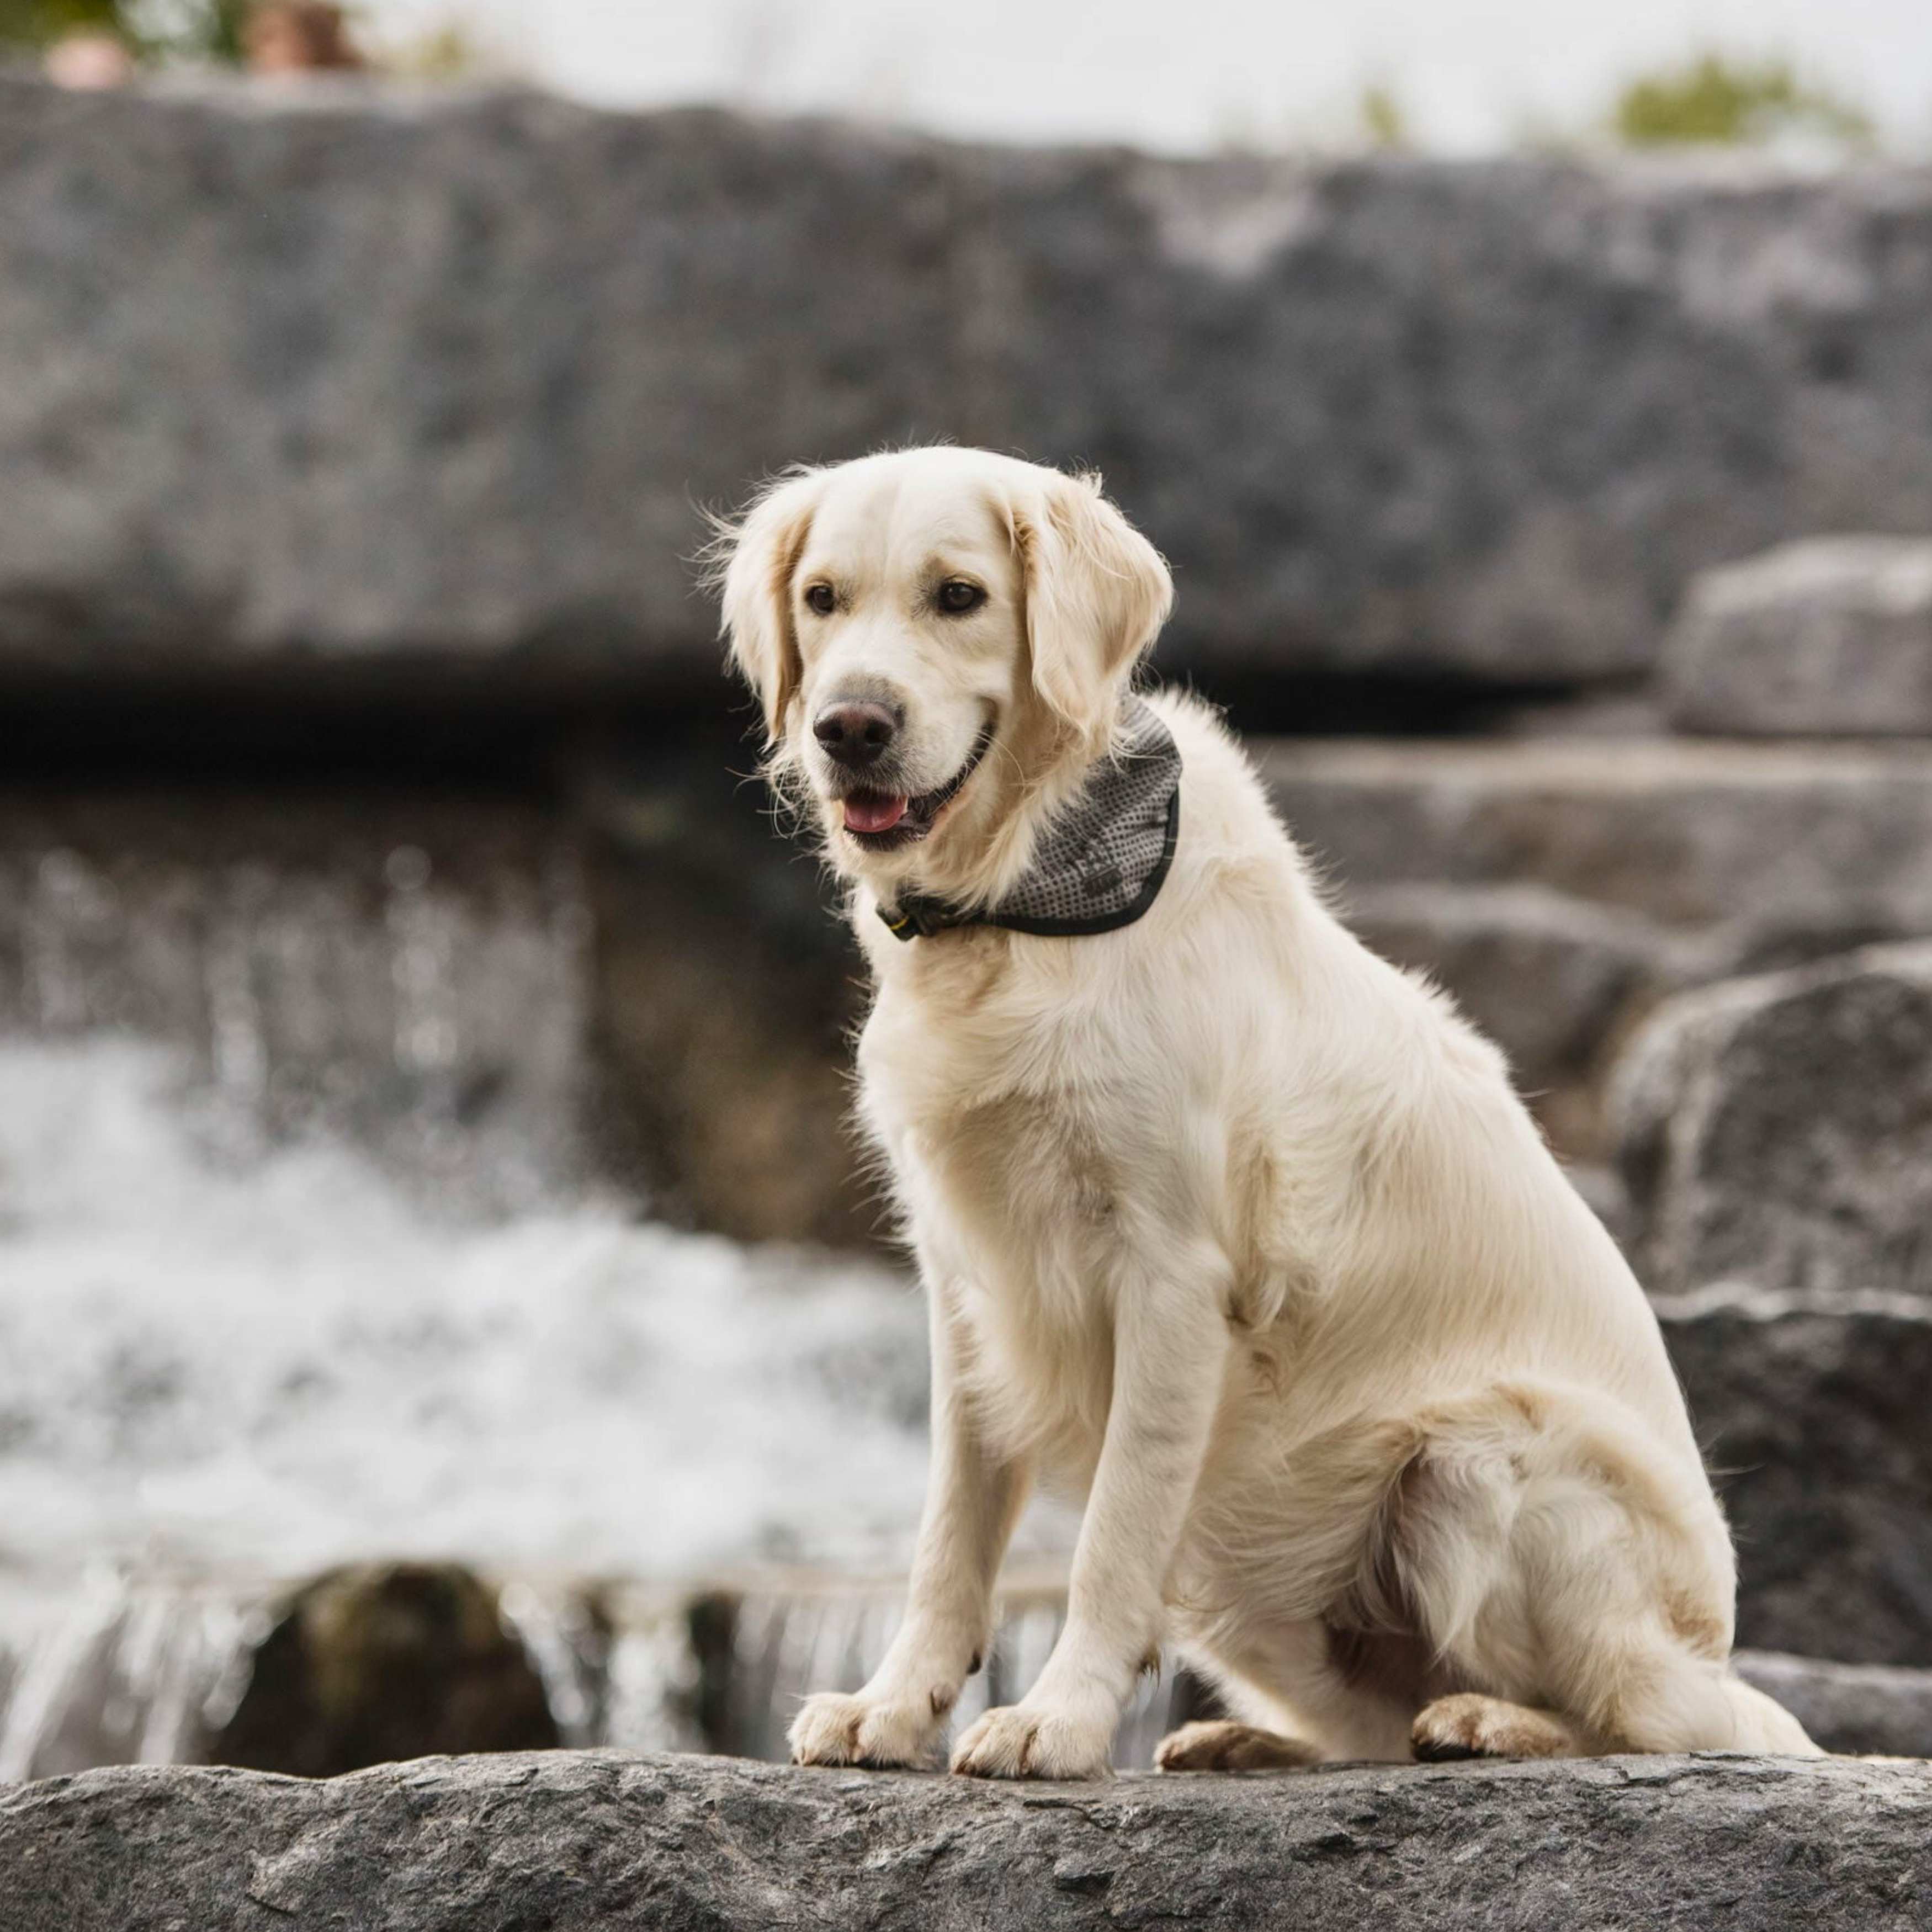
(1769, 851)
(1831, 636)
(565, 1841)
(1778, 1130)
(1813, 1415)
(346, 382)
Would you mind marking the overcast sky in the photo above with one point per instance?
(1187, 74)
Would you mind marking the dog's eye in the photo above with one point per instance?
(821, 597)
(956, 596)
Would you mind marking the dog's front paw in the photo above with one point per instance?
(835, 1729)
(1014, 1742)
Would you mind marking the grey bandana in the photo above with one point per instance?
(1099, 864)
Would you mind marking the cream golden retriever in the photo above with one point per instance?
(1229, 1227)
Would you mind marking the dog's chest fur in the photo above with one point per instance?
(1015, 1173)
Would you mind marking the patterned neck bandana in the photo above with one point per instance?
(1099, 865)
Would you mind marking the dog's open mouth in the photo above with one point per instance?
(883, 821)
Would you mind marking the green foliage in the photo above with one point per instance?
(154, 29)
(1383, 122)
(449, 52)
(33, 22)
(1715, 100)
(185, 29)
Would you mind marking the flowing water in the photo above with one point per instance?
(218, 1372)
(299, 1265)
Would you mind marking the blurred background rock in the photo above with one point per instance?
(438, 1306)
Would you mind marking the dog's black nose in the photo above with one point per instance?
(855, 735)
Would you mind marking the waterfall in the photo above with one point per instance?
(119, 1673)
(431, 1007)
(789, 1642)
(298, 1268)
(226, 1366)
(131, 1670)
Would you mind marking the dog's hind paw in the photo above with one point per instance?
(1468, 1725)
(1219, 1744)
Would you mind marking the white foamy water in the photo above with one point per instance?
(227, 1362)
(221, 1358)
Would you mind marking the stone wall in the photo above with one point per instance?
(344, 378)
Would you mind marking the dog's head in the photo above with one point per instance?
(940, 638)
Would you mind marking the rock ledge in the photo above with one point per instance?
(325, 389)
(604, 1839)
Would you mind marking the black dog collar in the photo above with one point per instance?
(1099, 865)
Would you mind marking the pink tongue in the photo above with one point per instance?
(871, 812)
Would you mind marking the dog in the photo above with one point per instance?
(1227, 1226)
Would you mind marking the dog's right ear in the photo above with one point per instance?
(753, 559)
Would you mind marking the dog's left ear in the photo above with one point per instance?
(1097, 593)
(754, 558)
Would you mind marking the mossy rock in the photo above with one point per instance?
(369, 1663)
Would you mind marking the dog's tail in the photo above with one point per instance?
(1764, 1725)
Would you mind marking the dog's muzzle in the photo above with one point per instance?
(883, 821)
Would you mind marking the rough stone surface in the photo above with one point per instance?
(342, 375)
(1772, 850)
(1812, 1411)
(1848, 1707)
(1778, 1130)
(1830, 636)
(614, 1842)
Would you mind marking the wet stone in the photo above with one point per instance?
(374, 1664)
(409, 974)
